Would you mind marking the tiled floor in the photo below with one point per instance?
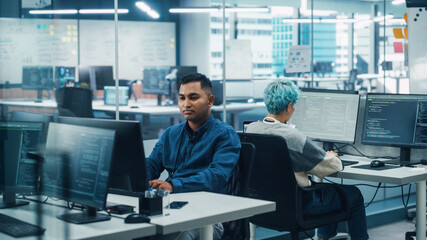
(392, 231)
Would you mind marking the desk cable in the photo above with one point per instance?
(405, 204)
(361, 154)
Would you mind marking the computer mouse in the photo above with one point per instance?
(137, 218)
(377, 163)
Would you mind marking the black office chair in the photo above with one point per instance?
(239, 229)
(272, 164)
(353, 83)
(74, 102)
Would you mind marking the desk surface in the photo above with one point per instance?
(144, 107)
(203, 208)
(400, 175)
(58, 229)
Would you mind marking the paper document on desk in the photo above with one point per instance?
(299, 59)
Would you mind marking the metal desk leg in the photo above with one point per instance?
(421, 210)
(206, 232)
(252, 230)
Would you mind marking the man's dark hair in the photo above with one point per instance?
(205, 83)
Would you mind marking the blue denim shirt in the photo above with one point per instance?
(199, 161)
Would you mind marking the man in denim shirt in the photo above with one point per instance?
(200, 153)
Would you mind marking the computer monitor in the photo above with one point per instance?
(19, 116)
(110, 95)
(154, 81)
(329, 116)
(18, 173)
(38, 78)
(76, 168)
(64, 76)
(175, 75)
(128, 170)
(397, 120)
(96, 77)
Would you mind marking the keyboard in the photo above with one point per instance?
(348, 162)
(18, 228)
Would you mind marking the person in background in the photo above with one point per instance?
(280, 98)
(199, 154)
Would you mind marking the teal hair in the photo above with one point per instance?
(278, 94)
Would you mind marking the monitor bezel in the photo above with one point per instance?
(100, 123)
(52, 192)
(334, 91)
(385, 144)
(20, 188)
(156, 91)
(38, 87)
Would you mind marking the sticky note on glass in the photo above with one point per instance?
(398, 33)
(398, 47)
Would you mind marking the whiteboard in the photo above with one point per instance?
(141, 44)
(49, 42)
(417, 51)
(40, 42)
(299, 59)
(238, 59)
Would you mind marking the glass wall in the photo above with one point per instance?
(159, 41)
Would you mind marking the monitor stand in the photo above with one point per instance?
(159, 99)
(9, 200)
(405, 158)
(87, 216)
(39, 96)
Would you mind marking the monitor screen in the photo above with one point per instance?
(327, 115)
(154, 80)
(395, 120)
(64, 76)
(128, 170)
(96, 77)
(110, 95)
(18, 173)
(37, 77)
(19, 116)
(181, 71)
(77, 164)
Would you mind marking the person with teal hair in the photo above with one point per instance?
(281, 97)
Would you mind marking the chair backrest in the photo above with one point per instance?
(239, 229)
(272, 179)
(353, 76)
(76, 100)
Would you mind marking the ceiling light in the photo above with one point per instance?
(218, 9)
(398, 2)
(147, 9)
(193, 10)
(247, 9)
(102, 11)
(68, 11)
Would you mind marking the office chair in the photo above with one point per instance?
(272, 164)
(74, 102)
(239, 229)
(353, 83)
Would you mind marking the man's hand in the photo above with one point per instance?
(332, 152)
(161, 184)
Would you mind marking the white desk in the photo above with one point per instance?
(58, 229)
(145, 107)
(399, 176)
(203, 210)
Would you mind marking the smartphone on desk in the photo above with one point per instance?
(177, 204)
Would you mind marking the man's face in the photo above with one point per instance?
(194, 103)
